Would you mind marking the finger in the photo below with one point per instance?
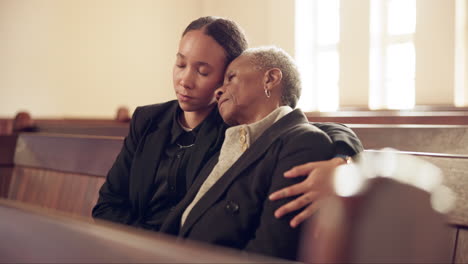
(301, 170)
(306, 213)
(292, 190)
(296, 204)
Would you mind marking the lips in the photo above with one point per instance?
(220, 102)
(183, 98)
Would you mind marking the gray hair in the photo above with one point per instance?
(273, 57)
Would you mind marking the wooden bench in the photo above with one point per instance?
(434, 117)
(23, 122)
(58, 171)
(449, 139)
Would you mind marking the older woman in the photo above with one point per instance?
(228, 204)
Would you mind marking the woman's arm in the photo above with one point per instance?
(317, 184)
(274, 236)
(114, 201)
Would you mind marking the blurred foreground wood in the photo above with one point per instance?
(394, 217)
(34, 235)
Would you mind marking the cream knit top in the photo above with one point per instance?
(237, 140)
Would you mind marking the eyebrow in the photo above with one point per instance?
(200, 63)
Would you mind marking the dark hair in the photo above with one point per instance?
(225, 32)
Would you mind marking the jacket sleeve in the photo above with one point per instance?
(345, 141)
(274, 236)
(114, 202)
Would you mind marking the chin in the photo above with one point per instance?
(228, 119)
(185, 106)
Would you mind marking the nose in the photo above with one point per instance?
(218, 93)
(186, 79)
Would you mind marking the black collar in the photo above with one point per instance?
(177, 131)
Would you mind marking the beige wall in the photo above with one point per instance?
(266, 22)
(354, 53)
(84, 58)
(435, 57)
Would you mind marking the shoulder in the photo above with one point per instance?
(299, 134)
(144, 116)
(150, 111)
(295, 124)
(306, 134)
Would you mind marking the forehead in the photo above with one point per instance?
(243, 61)
(198, 46)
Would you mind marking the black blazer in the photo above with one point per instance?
(125, 195)
(236, 211)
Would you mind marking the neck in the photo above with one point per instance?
(193, 119)
(259, 114)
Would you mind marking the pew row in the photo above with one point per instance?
(119, 125)
(58, 171)
(64, 172)
(32, 235)
(23, 122)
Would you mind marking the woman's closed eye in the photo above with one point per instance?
(203, 73)
(229, 77)
(203, 70)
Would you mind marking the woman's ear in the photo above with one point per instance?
(273, 78)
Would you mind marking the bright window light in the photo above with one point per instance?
(401, 17)
(400, 72)
(317, 38)
(327, 80)
(328, 22)
(392, 55)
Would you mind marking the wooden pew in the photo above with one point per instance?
(30, 235)
(428, 117)
(450, 139)
(95, 128)
(23, 122)
(58, 171)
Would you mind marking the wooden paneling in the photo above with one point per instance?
(7, 152)
(7, 149)
(72, 193)
(30, 235)
(461, 254)
(5, 179)
(62, 172)
(111, 129)
(6, 126)
(92, 155)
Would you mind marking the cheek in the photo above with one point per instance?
(175, 74)
(209, 85)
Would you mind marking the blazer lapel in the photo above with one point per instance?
(209, 142)
(250, 156)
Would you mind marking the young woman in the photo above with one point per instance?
(169, 143)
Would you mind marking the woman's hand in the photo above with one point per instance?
(313, 188)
